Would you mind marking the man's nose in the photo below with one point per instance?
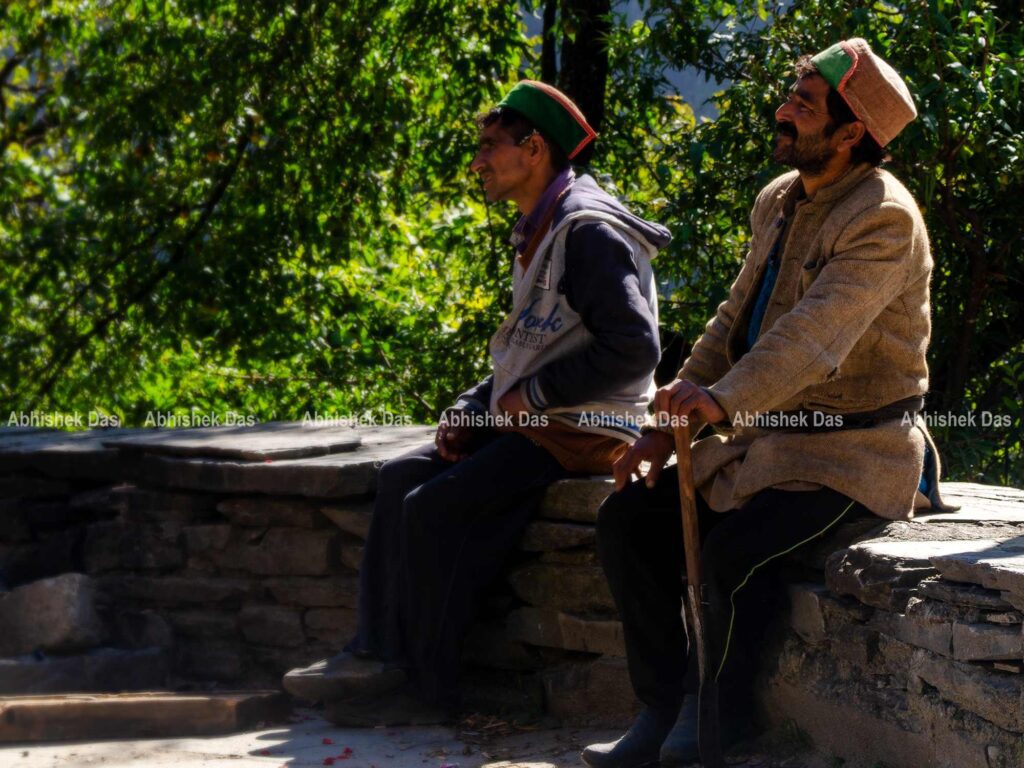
(477, 164)
(784, 113)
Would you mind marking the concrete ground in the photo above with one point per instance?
(308, 740)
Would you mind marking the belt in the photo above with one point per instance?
(810, 421)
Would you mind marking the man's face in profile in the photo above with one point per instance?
(500, 163)
(803, 127)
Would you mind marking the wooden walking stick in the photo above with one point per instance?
(708, 738)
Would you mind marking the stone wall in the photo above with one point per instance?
(224, 557)
(906, 647)
(230, 556)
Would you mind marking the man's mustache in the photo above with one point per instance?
(785, 129)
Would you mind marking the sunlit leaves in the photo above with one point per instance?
(266, 205)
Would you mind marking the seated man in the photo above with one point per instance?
(572, 379)
(812, 372)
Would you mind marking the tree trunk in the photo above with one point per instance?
(584, 69)
(548, 52)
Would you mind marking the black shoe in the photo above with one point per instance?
(638, 747)
(680, 746)
(343, 675)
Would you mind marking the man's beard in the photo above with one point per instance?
(808, 154)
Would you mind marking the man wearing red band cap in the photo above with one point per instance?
(811, 372)
(572, 378)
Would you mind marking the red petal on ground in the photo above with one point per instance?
(328, 761)
(327, 741)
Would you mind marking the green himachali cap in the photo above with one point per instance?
(554, 114)
(874, 90)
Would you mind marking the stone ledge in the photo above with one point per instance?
(916, 624)
(120, 716)
(101, 669)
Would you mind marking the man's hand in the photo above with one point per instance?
(654, 447)
(684, 398)
(453, 442)
(512, 402)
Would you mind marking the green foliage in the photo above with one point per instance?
(254, 205)
(265, 206)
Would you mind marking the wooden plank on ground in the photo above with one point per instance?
(71, 717)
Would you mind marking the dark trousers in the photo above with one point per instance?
(640, 542)
(440, 534)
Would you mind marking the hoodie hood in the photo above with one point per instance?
(586, 195)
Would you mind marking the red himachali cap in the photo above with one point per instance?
(875, 92)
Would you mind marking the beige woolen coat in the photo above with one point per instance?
(845, 331)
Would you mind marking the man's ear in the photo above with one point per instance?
(851, 134)
(538, 149)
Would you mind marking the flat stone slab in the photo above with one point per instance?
(987, 642)
(555, 629)
(963, 594)
(179, 589)
(334, 626)
(995, 697)
(283, 552)
(330, 592)
(997, 566)
(103, 669)
(339, 475)
(135, 715)
(598, 693)
(27, 487)
(261, 512)
(883, 573)
(145, 505)
(55, 614)
(272, 440)
(974, 496)
(274, 625)
(576, 499)
(6, 431)
(115, 545)
(353, 518)
(570, 588)
(65, 454)
(546, 536)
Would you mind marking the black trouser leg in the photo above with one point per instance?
(640, 543)
(378, 633)
(438, 551)
(741, 563)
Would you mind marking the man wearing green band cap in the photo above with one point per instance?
(572, 377)
(811, 373)
(553, 113)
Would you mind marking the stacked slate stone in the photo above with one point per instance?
(207, 556)
(912, 640)
(235, 551)
(57, 632)
(232, 553)
(555, 627)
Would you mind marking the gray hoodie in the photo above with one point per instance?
(581, 341)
